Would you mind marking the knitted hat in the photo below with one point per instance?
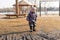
(33, 9)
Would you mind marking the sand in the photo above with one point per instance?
(43, 23)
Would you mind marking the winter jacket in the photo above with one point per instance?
(32, 16)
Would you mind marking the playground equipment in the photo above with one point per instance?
(21, 8)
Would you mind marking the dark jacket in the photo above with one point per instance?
(32, 16)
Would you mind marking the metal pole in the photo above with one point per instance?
(35, 1)
(59, 7)
(45, 8)
(40, 8)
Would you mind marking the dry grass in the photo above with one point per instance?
(46, 24)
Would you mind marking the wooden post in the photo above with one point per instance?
(19, 10)
(17, 7)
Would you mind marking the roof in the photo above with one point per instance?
(24, 3)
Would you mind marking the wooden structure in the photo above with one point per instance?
(16, 11)
(19, 6)
(8, 15)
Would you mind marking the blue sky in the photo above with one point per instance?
(9, 3)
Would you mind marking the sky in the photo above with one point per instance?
(6, 3)
(9, 3)
(50, 4)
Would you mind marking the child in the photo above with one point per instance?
(31, 18)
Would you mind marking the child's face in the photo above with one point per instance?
(32, 10)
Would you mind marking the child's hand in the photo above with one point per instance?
(33, 20)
